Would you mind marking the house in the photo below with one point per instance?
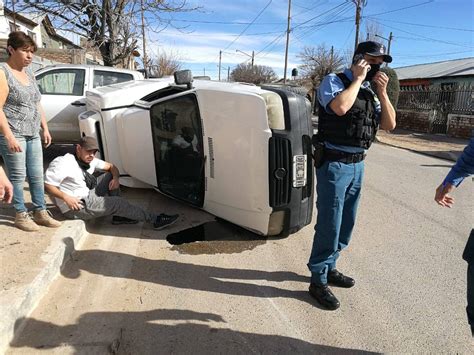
(457, 71)
(437, 97)
(52, 47)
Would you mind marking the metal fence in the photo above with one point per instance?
(449, 98)
(439, 101)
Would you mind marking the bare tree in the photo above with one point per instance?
(256, 74)
(113, 26)
(317, 63)
(372, 29)
(164, 64)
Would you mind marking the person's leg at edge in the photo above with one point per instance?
(15, 164)
(16, 170)
(468, 255)
(102, 188)
(470, 296)
(103, 206)
(34, 171)
(331, 186)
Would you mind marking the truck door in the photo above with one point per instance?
(62, 97)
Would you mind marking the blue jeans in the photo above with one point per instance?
(27, 163)
(338, 188)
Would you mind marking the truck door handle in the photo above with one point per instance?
(78, 103)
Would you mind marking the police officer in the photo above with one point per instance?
(350, 112)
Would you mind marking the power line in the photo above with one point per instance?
(250, 24)
(402, 8)
(425, 38)
(315, 17)
(421, 25)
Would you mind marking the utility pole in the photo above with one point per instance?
(204, 71)
(228, 74)
(220, 63)
(358, 4)
(145, 58)
(287, 40)
(14, 14)
(389, 40)
(248, 55)
(390, 37)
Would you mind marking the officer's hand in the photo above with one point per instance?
(360, 69)
(442, 197)
(381, 79)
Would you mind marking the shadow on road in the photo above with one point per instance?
(161, 331)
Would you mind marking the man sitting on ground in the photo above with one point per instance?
(80, 195)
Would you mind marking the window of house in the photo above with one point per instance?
(62, 82)
(32, 35)
(103, 78)
(14, 27)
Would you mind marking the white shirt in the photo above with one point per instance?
(182, 143)
(64, 173)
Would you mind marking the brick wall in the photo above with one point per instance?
(413, 120)
(67, 56)
(461, 126)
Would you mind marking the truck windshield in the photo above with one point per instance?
(177, 141)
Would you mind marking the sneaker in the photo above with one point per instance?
(164, 220)
(123, 220)
(44, 218)
(24, 222)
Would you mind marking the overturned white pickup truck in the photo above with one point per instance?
(240, 152)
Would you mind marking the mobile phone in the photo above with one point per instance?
(357, 57)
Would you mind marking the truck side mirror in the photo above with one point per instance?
(182, 77)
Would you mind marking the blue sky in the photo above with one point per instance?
(423, 31)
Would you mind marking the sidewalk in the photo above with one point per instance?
(436, 145)
(31, 261)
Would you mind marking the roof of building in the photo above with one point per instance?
(20, 18)
(456, 67)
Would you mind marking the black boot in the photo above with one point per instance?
(336, 278)
(323, 294)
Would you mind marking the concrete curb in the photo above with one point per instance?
(440, 155)
(21, 301)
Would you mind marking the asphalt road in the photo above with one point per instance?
(128, 290)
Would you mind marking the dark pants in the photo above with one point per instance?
(468, 255)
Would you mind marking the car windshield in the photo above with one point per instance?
(177, 141)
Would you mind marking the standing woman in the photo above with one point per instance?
(21, 117)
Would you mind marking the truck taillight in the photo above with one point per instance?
(275, 114)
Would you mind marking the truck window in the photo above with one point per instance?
(177, 142)
(103, 78)
(62, 82)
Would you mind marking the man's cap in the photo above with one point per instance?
(89, 143)
(373, 48)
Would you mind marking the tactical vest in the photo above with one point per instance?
(357, 127)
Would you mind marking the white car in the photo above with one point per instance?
(240, 152)
(63, 89)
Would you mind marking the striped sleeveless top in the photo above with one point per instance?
(21, 105)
